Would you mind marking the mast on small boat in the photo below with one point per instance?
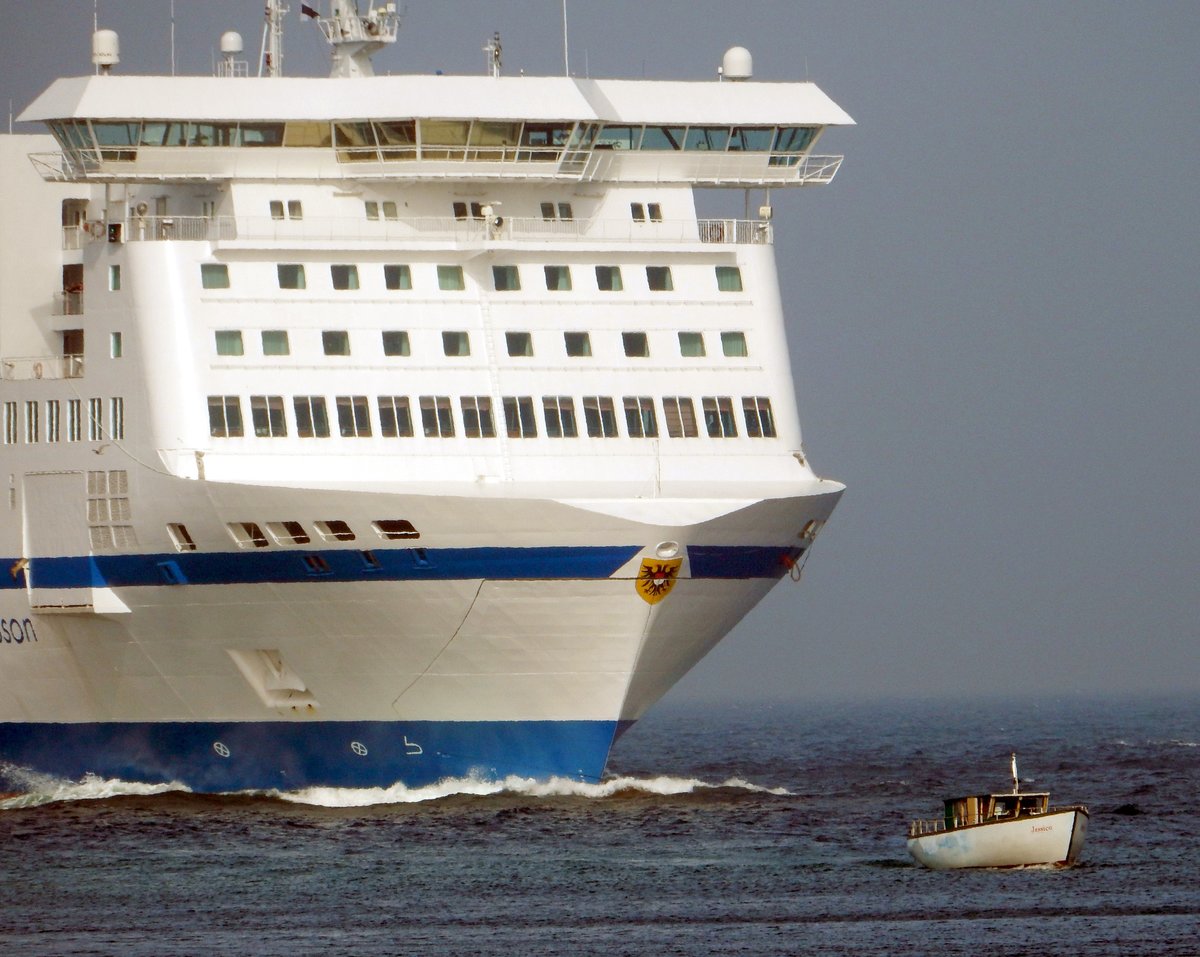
(1016, 780)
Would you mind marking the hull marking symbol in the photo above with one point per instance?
(358, 748)
(656, 578)
(221, 749)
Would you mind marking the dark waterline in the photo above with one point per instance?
(723, 830)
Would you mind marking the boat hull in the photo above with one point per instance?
(1055, 838)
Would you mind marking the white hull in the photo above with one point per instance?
(1054, 838)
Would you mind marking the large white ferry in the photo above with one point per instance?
(366, 429)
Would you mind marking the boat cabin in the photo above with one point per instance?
(984, 808)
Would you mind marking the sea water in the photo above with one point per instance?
(762, 829)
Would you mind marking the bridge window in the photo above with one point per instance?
(662, 138)
(713, 138)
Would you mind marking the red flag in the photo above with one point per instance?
(308, 11)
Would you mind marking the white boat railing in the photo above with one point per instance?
(499, 229)
(921, 827)
(41, 367)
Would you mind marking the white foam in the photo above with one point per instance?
(38, 789)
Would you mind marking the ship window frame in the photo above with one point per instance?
(506, 277)
(558, 411)
(395, 529)
(228, 342)
(636, 345)
(247, 534)
(719, 421)
(334, 530)
(275, 342)
(437, 416)
(519, 344)
(221, 424)
(267, 417)
(729, 278)
(344, 277)
(760, 419)
(335, 342)
(312, 416)
(608, 279)
(456, 343)
(680, 425)
(354, 416)
(520, 421)
(734, 346)
(600, 417)
(659, 279)
(214, 275)
(558, 278)
(397, 277)
(450, 278)
(578, 345)
(288, 532)
(395, 417)
(641, 422)
(477, 419)
(395, 342)
(180, 537)
(691, 344)
(290, 275)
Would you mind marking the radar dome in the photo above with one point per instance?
(231, 43)
(106, 48)
(737, 64)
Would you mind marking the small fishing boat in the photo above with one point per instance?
(1000, 830)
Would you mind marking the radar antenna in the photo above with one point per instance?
(356, 36)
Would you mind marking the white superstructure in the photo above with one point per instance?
(375, 428)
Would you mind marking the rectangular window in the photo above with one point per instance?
(506, 278)
(312, 422)
(295, 210)
(547, 211)
(224, 416)
(372, 209)
(74, 420)
(180, 538)
(247, 534)
(608, 279)
(390, 210)
(638, 212)
(658, 278)
(640, 420)
(395, 528)
(734, 344)
(11, 426)
(577, 343)
(214, 275)
(760, 423)
(691, 344)
(654, 210)
(288, 533)
(266, 413)
(229, 342)
(53, 426)
(116, 347)
(729, 279)
(450, 278)
(335, 342)
(32, 421)
(397, 276)
(559, 411)
(681, 417)
(519, 419)
(354, 417)
(637, 346)
(114, 278)
(718, 417)
(519, 343)
(395, 417)
(276, 209)
(291, 275)
(477, 417)
(343, 277)
(456, 344)
(275, 342)
(565, 212)
(437, 418)
(395, 343)
(558, 278)
(95, 420)
(334, 530)
(599, 417)
(116, 418)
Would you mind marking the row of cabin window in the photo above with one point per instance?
(457, 343)
(252, 535)
(343, 277)
(437, 419)
(38, 424)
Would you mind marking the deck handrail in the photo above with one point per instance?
(923, 826)
(41, 367)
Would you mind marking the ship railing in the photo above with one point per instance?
(498, 228)
(41, 367)
(69, 303)
(920, 827)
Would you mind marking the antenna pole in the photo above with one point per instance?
(566, 45)
(172, 37)
(1016, 782)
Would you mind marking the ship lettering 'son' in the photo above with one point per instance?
(16, 631)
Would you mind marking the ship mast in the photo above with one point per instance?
(271, 58)
(356, 36)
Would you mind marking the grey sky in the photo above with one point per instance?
(993, 312)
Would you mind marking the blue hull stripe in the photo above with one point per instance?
(235, 756)
(390, 564)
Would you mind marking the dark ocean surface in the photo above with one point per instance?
(722, 830)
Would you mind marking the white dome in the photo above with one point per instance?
(106, 48)
(737, 64)
(231, 42)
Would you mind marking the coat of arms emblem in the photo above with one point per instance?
(657, 577)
